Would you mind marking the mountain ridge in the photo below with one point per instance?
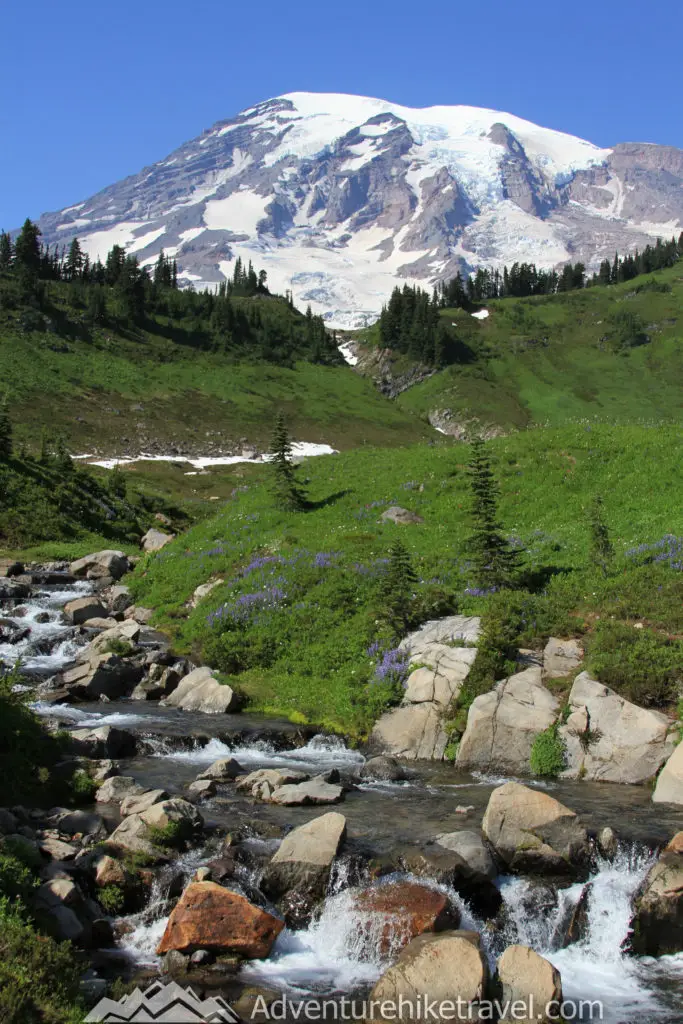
(341, 197)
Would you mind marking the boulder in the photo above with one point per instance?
(116, 789)
(669, 788)
(401, 516)
(101, 563)
(102, 770)
(83, 609)
(201, 789)
(161, 682)
(426, 643)
(119, 598)
(13, 590)
(383, 769)
(414, 732)
(10, 567)
(306, 855)
(314, 791)
(478, 865)
(532, 832)
(527, 978)
(264, 781)
(207, 916)
(608, 739)
(561, 658)
(224, 770)
(173, 811)
(389, 916)
(55, 849)
(100, 624)
(109, 871)
(201, 691)
(57, 903)
(129, 632)
(136, 803)
(657, 926)
(445, 968)
(203, 590)
(132, 835)
(74, 822)
(503, 724)
(105, 741)
(155, 540)
(443, 665)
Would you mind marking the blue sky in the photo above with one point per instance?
(92, 92)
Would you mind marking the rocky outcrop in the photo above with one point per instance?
(415, 731)
(608, 739)
(210, 917)
(669, 788)
(532, 832)
(525, 978)
(561, 658)
(305, 856)
(101, 564)
(450, 966)
(503, 724)
(657, 926)
(201, 691)
(400, 516)
(393, 914)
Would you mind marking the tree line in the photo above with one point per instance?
(122, 294)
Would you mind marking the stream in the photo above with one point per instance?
(334, 955)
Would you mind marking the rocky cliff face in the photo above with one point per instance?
(339, 198)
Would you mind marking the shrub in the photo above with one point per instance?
(118, 646)
(83, 787)
(173, 836)
(112, 899)
(548, 753)
(640, 664)
(497, 649)
(16, 879)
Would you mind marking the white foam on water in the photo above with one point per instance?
(319, 754)
(62, 651)
(89, 719)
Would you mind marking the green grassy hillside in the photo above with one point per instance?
(613, 353)
(301, 591)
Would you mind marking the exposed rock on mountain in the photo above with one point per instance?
(340, 197)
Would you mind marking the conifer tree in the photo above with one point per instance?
(601, 550)
(288, 493)
(6, 251)
(495, 562)
(5, 431)
(27, 248)
(397, 587)
(73, 265)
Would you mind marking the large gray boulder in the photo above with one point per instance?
(525, 978)
(201, 691)
(669, 788)
(477, 863)
(314, 791)
(225, 769)
(84, 608)
(449, 966)
(105, 741)
(414, 732)
(503, 724)
(532, 832)
(608, 739)
(117, 788)
(657, 926)
(561, 658)
(306, 855)
(100, 564)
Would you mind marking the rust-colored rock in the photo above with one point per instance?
(207, 916)
(676, 844)
(392, 915)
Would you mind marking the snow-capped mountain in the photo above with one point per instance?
(339, 198)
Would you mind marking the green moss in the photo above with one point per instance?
(112, 899)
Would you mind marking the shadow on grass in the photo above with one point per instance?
(536, 580)
(331, 499)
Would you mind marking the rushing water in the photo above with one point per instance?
(339, 951)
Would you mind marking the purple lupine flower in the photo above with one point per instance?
(393, 667)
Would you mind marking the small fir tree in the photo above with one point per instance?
(397, 586)
(601, 550)
(5, 432)
(289, 495)
(495, 562)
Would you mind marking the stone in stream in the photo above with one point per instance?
(13, 590)
(11, 633)
(136, 803)
(608, 739)
(103, 769)
(201, 789)
(82, 609)
(207, 916)
(105, 741)
(314, 791)
(527, 978)
(109, 871)
(669, 788)
(10, 567)
(116, 788)
(264, 781)
(100, 673)
(161, 681)
(390, 915)
(443, 967)
(383, 768)
(503, 724)
(225, 769)
(461, 860)
(201, 691)
(532, 832)
(305, 856)
(657, 925)
(56, 849)
(100, 624)
(100, 564)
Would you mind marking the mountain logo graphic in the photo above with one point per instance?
(169, 1004)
